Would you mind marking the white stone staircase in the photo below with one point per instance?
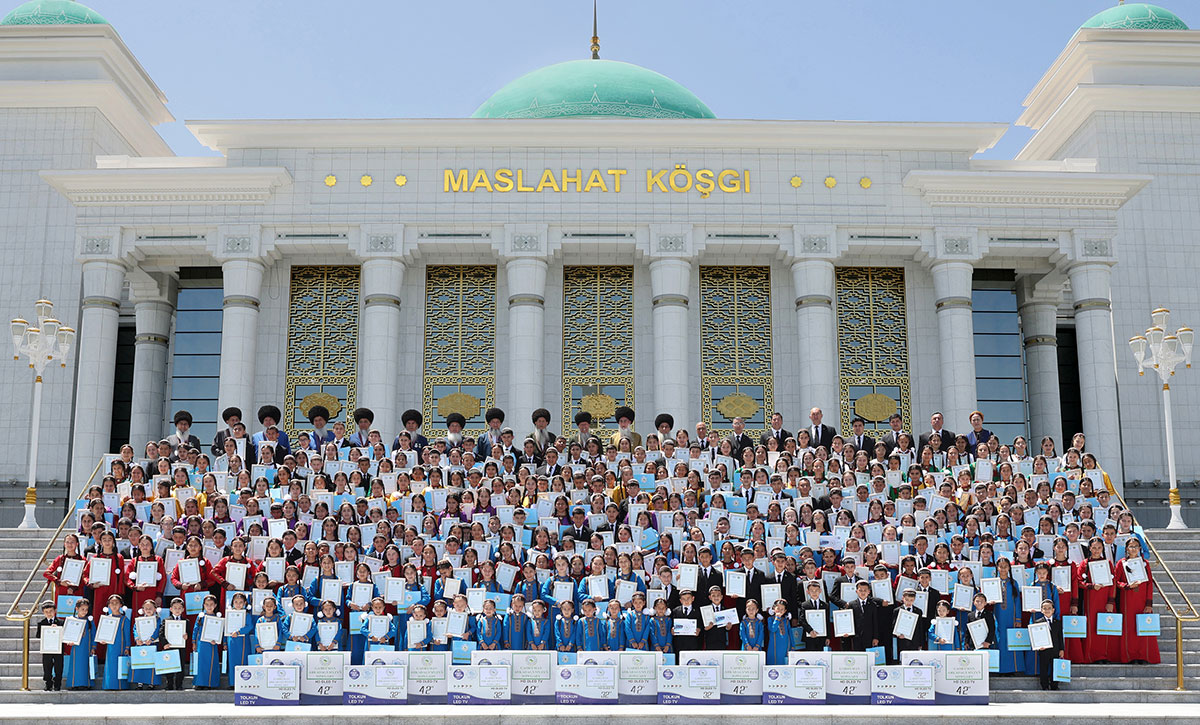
(1091, 683)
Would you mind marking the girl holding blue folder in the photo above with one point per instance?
(78, 665)
(207, 654)
(146, 677)
(114, 678)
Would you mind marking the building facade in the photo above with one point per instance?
(608, 244)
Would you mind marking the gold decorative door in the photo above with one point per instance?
(736, 379)
(597, 362)
(460, 345)
(321, 344)
(872, 342)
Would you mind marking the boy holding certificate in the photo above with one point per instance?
(815, 618)
(1047, 654)
(49, 630)
(909, 626)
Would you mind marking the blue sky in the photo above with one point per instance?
(922, 60)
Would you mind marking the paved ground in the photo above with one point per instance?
(208, 714)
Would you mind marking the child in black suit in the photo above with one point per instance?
(52, 665)
(1046, 657)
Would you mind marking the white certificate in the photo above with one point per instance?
(417, 628)
(882, 589)
(378, 625)
(275, 566)
(1100, 572)
(991, 589)
(943, 628)
(276, 527)
(689, 575)
(843, 623)
(456, 623)
(906, 623)
(1135, 571)
(360, 593)
(475, 598)
(73, 630)
(326, 631)
(235, 574)
(684, 627)
(1061, 576)
(213, 629)
(300, 624)
(771, 593)
(52, 640)
(625, 591)
(268, 635)
(597, 587)
(451, 588)
(563, 592)
(143, 627)
(175, 632)
(235, 621)
(816, 619)
(962, 597)
(393, 589)
(106, 629)
(100, 572)
(189, 571)
(1031, 599)
(979, 632)
(1039, 636)
(331, 591)
(72, 571)
(438, 629)
(147, 574)
(735, 583)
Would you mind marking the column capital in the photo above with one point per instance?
(668, 241)
(146, 286)
(525, 278)
(955, 244)
(813, 241)
(98, 243)
(523, 241)
(670, 281)
(1091, 286)
(1040, 289)
(381, 241)
(239, 241)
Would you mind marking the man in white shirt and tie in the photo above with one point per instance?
(821, 434)
(776, 431)
(859, 438)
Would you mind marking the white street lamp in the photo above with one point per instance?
(1162, 353)
(49, 341)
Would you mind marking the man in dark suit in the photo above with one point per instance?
(739, 439)
(859, 438)
(890, 439)
(670, 592)
(819, 433)
(936, 425)
(789, 589)
(866, 620)
(232, 416)
(925, 584)
(490, 437)
(183, 423)
(412, 420)
(687, 609)
(579, 528)
(776, 431)
(550, 466)
(917, 640)
(754, 582)
(709, 575)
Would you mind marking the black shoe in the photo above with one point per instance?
(1053, 685)
(49, 687)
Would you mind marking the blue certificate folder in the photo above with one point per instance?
(1075, 626)
(66, 604)
(1108, 624)
(167, 661)
(1018, 639)
(142, 656)
(1148, 625)
(460, 651)
(1062, 670)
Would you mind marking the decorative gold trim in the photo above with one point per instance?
(821, 300)
(735, 331)
(600, 406)
(100, 301)
(1174, 498)
(669, 301)
(381, 299)
(519, 300)
(332, 404)
(1035, 340)
(150, 338)
(240, 301)
(872, 338)
(460, 335)
(30, 496)
(946, 303)
(1093, 303)
(597, 315)
(737, 405)
(875, 407)
(468, 406)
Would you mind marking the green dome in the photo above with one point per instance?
(53, 12)
(593, 89)
(1136, 16)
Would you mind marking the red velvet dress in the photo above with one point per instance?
(139, 596)
(1092, 602)
(116, 583)
(1132, 601)
(1073, 646)
(54, 572)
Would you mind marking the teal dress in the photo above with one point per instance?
(514, 630)
(208, 657)
(935, 646)
(1007, 612)
(277, 619)
(146, 675)
(779, 640)
(238, 649)
(78, 664)
(753, 633)
(637, 631)
(113, 654)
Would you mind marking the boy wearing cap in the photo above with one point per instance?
(52, 665)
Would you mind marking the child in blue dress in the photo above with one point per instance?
(489, 627)
(296, 632)
(661, 628)
(637, 624)
(237, 639)
(779, 634)
(414, 641)
(119, 649)
(207, 654)
(439, 612)
(78, 665)
(515, 624)
(587, 629)
(612, 628)
(564, 627)
(270, 616)
(539, 631)
(752, 630)
(943, 645)
(385, 637)
(145, 677)
(331, 617)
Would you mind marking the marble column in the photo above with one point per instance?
(1039, 328)
(239, 334)
(956, 336)
(379, 361)
(1091, 290)
(670, 282)
(526, 280)
(813, 280)
(102, 282)
(154, 311)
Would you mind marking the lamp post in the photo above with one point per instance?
(1162, 353)
(49, 341)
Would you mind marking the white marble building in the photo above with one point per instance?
(1089, 228)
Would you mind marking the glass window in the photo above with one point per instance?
(999, 362)
(196, 355)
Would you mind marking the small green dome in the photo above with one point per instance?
(593, 89)
(1136, 16)
(53, 12)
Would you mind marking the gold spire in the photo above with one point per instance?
(595, 36)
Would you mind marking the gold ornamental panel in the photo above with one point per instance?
(322, 343)
(597, 344)
(872, 342)
(460, 345)
(735, 347)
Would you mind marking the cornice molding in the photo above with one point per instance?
(142, 187)
(1015, 189)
